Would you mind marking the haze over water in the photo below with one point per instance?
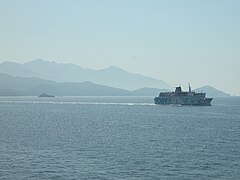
(118, 138)
(175, 41)
(118, 48)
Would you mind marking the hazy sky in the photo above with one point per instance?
(195, 41)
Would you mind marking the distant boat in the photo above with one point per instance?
(45, 95)
(180, 97)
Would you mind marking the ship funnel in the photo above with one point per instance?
(178, 89)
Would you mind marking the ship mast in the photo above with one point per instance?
(189, 87)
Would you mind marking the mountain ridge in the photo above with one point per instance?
(111, 76)
(32, 86)
(212, 92)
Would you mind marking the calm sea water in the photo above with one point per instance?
(118, 138)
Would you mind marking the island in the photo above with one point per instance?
(45, 95)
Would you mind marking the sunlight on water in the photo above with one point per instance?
(117, 138)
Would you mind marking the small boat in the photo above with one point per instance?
(45, 95)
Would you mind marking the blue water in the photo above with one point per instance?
(118, 138)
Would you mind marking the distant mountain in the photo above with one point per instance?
(12, 86)
(111, 76)
(148, 91)
(16, 69)
(25, 86)
(10, 92)
(212, 92)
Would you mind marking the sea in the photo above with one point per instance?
(118, 138)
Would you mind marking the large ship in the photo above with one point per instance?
(179, 97)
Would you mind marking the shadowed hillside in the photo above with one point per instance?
(212, 92)
(111, 76)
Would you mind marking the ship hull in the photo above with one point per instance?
(191, 101)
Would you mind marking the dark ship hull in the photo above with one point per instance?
(180, 97)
